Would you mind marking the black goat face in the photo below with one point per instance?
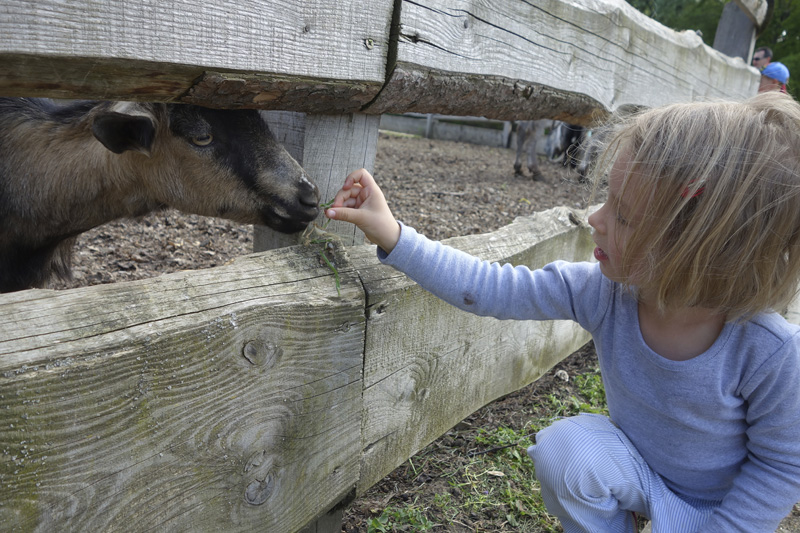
(213, 162)
(255, 180)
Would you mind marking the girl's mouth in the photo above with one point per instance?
(600, 255)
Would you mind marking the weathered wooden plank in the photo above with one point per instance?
(736, 33)
(334, 147)
(755, 9)
(209, 400)
(429, 365)
(329, 147)
(225, 399)
(316, 56)
(507, 59)
(268, 91)
(554, 58)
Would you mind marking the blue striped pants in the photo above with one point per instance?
(592, 477)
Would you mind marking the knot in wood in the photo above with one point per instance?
(259, 490)
(260, 353)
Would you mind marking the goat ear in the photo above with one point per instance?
(120, 132)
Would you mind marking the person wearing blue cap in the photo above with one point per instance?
(774, 78)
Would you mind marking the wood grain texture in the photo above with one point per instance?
(329, 147)
(210, 400)
(504, 59)
(269, 91)
(755, 9)
(254, 396)
(548, 59)
(429, 365)
(155, 50)
(334, 147)
(227, 399)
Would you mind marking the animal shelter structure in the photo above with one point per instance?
(263, 394)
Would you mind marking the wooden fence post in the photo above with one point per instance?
(329, 147)
(328, 523)
(736, 33)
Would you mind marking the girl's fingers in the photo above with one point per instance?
(360, 176)
(350, 202)
(358, 187)
(355, 191)
(361, 202)
(346, 194)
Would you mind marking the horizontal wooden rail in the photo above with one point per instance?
(251, 396)
(499, 59)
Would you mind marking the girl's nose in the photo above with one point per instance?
(596, 220)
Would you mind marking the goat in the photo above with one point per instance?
(65, 169)
(587, 152)
(526, 143)
(562, 141)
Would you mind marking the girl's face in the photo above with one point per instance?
(613, 223)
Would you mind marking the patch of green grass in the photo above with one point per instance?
(409, 518)
(591, 388)
(316, 235)
(496, 481)
(502, 480)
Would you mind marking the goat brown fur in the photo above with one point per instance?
(65, 169)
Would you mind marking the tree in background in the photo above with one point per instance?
(781, 33)
(698, 15)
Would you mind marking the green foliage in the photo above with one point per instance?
(591, 388)
(781, 33)
(702, 15)
(494, 481)
(411, 518)
(503, 482)
(592, 399)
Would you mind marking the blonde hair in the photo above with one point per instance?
(721, 203)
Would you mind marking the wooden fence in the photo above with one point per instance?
(258, 395)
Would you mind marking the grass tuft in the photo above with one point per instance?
(483, 478)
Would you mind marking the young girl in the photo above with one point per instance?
(697, 245)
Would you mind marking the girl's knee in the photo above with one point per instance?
(570, 445)
(569, 436)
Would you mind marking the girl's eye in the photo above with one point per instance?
(203, 140)
(621, 221)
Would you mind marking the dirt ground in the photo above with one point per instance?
(443, 189)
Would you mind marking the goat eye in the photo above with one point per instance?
(203, 140)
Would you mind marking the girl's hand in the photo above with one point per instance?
(361, 202)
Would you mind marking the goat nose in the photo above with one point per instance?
(310, 194)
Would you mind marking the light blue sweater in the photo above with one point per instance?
(724, 425)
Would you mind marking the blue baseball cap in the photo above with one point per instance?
(776, 71)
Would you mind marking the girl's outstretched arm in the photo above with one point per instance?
(361, 202)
